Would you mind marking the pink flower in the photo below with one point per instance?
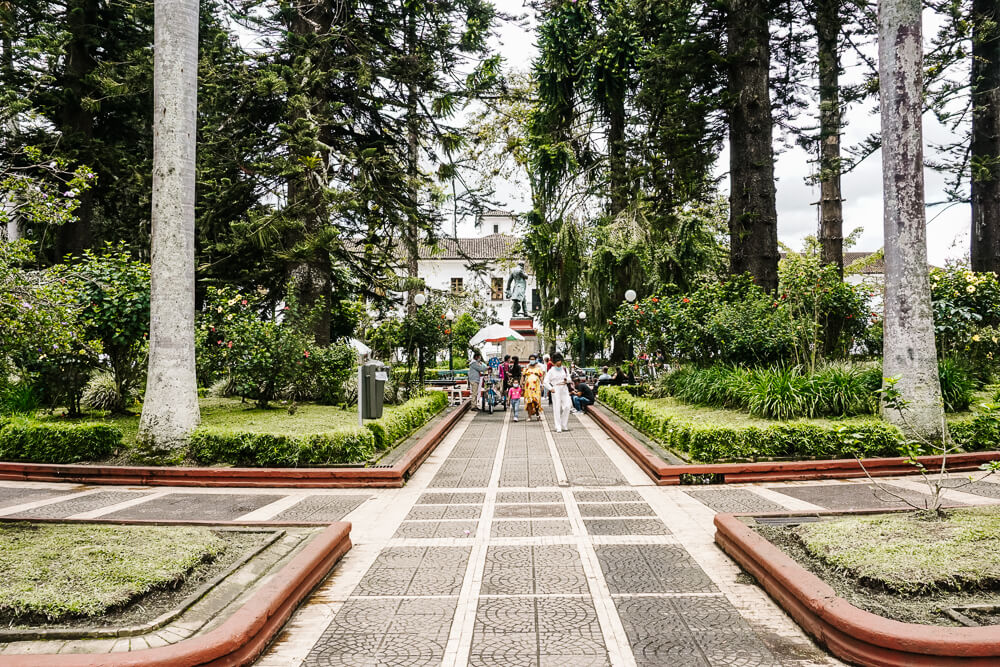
(244, 302)
(229, 344)
(220, 342)
(306, 353)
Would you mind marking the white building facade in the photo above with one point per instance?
(478, 266)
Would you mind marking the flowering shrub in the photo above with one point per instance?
(267, 354)
(814, 314)
(967, 317)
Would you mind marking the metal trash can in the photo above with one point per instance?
(371, 393)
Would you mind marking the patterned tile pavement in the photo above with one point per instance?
(514, 545)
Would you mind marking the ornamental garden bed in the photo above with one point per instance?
(63, 580)
(881, 588)
(231, 434)
(698, 434)
(902, 566)
(118, 595)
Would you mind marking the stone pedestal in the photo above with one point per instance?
(522, 348)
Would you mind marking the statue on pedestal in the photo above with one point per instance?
(517, 287)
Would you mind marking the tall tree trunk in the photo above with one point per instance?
(411, 236)
(619, 180)
(76, 121)
(831, 226)
(908, 349)
(170, 410)
(985, 246)
(311, 273)
(753, 216)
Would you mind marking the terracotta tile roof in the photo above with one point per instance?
(494, 246)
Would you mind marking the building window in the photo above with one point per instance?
(457, 286)
(496, 289)
(496, 229)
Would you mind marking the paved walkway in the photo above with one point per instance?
(514, 545)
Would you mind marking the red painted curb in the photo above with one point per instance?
(298, 478)
(243, 636)
(848, 632)
(778, 471)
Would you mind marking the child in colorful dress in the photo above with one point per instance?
(514, 397)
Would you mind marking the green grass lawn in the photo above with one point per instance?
(231, 413)
(59, 571)
(911, 554)
(739, 419)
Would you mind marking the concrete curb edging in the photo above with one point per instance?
(777, 471)
(243, 636)
(333, 477)
(848, 632)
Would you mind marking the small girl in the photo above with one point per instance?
(514, 396)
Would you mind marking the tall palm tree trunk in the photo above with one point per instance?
(908, 353)
(170, 410)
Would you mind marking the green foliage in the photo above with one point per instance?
(43, 343)
(713, 443)
(814, 315)
(111, 291)
(265, 354)
(235, 446)
(981, 433)
(967, 317)
(958, 385)
(59, 571)
(19, 398)
(102, 393)
(26, 439)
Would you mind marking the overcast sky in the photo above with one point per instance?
(947, 235)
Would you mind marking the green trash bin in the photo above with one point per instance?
(372, 390)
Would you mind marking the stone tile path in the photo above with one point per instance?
(514, 545)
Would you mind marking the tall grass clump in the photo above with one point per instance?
(958, 384)
(780, 393)
(845, 389)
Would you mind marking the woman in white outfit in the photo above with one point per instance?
(557, 381)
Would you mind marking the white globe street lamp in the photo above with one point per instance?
(630, 295)
(583, 336)
(420, 299)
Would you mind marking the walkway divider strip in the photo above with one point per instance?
(615, 638)
(459, 644)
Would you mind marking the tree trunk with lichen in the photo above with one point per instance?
(170, 409)
(753, 216)
(831, 218)
(909, 354)
(985, 149)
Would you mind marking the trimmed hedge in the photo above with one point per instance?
(30, 440)
(357, 445)
(979, 434)
(705, 443)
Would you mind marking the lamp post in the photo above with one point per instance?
(450, 316)
(630, 295)
(583, 336)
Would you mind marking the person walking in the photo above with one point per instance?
(532, 389)
(514, 396)
(557, 381)
(476, 370)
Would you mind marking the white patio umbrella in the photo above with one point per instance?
(494, 333)
(359, 347)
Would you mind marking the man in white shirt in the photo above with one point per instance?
(557, 381)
